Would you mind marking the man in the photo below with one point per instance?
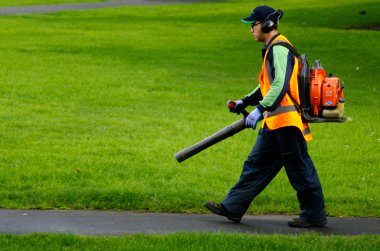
(282, 139)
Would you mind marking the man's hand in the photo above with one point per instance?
(253, 118)
(239, 107)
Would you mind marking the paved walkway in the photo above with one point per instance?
(84, 6)
(120, 223)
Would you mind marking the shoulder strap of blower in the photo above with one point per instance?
(303, 82)
(287, 45)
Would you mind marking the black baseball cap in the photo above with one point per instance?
(259, 14)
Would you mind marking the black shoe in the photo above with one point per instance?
(298, 222)
(218, 209)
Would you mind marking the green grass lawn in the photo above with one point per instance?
(186, 241)
(8, 3)
(94, 104)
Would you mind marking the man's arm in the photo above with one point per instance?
(280, 64)
(254, 97)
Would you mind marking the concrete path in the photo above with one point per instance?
(84, 6)
(120, 223)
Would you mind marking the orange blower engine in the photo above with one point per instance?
(326, 96)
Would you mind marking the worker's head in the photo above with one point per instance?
(264, 21)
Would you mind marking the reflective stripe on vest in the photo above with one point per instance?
(306, 131)
(280, 110)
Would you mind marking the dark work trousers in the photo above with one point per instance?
(273, 150)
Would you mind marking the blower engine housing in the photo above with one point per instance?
(326, 96)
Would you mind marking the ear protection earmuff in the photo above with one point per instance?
(270, 23)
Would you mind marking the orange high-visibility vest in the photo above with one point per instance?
(286, 114)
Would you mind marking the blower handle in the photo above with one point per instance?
(231, 105)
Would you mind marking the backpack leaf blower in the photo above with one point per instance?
(326, 95)
(321, 96)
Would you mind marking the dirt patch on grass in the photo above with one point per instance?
(374, 27)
